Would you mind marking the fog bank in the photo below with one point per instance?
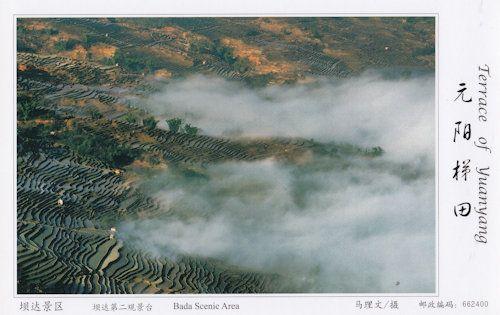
(364, 227)
(368, 110)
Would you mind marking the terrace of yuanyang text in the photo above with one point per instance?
(475, 99)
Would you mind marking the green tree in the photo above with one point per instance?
(137, 60)
(130, 118)
(191, 130)
(34, 138)
(252, 32)
(104, 148)
(223, 52)
(66, 44)
(377, 151)
(130, 60)
(174, 124)
(90, 39)
(149, 122)
(27, 109)
(95, 114)
(242, 65)
(259, 80)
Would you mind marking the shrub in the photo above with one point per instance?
(149, 122)
(95, 114)
(376, 151)
(108, 150)
(259, 80)
(223, 52)
(202, 47)
(130, 118)
(89, 40)
(60, 46)
(252, 32)
(174, 124)
(427, 50)
(191, 130)
(34, 138)
(128, 61)
(107, 61)
(137, 60)
(49, 31)
(153, 159)
(26, 109)
(66, 44)
(313, 28)
(242, 65)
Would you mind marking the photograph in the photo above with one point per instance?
(272, 155)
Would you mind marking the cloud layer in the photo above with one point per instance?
(368, 110)
(362, 225)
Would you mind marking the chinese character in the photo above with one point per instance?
(467, 131)
(463, 209)
(394, 305)
(465, 169)
(47, 306)
(58, 306)
(140, 307)
(25, 306)
(461, 93)
(35, 307)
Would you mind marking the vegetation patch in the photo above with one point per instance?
(86, 142)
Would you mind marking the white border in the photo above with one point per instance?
(468, 36)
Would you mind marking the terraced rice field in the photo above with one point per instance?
(67, 206)
(83, 144)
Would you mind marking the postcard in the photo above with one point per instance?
(328, 158)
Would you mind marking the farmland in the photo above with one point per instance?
(86, 146)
